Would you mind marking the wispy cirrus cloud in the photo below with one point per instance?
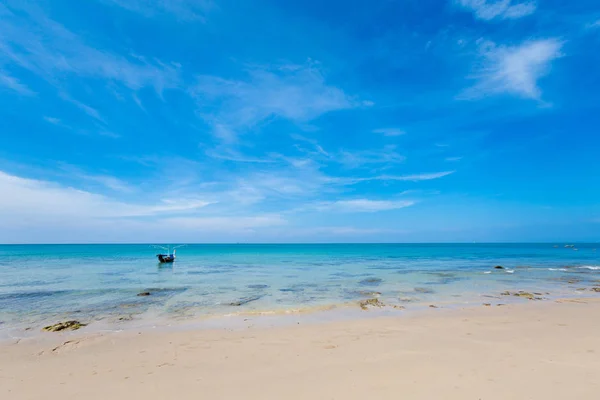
(389, 131)
(513, 70)
(353, 159)
(363, 205)
(183, 10)
(405, 178)
(500, 9)
(31, 198)
(14, 84)
(31, 40)
(298, 93)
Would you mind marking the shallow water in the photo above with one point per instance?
(40, 284)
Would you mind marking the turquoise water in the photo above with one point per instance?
(40, 284)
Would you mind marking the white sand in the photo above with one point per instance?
(532, 351)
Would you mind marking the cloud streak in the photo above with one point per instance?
(183, 10)
(498, 9)
(34, 42)
(298, 93)
(363, 205)
(14, 84)
(513, 70)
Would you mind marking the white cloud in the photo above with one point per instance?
(593, 25)
(37, 199)
(32, 41)
(407, 178)
(295, 92)
(184, 10)
(52, 120)
(353, 159)
(513, 70)
(363, 205)
(226, 224)
(389, 131)
(14, 84)
(501, 9)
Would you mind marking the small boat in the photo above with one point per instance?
(166, 258)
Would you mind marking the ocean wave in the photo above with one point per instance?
(557, 269)
(510, 271)
(590, 267)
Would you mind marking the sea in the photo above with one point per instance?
(100, 283)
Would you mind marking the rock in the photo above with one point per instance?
(580, 289)
(424, 290)
(370, 282)
(595, 289)
(144, 294)
(399, 307)
(527, 295)
(433, 306)
(368, 293)
(61, 326)
(487, 304)
(244, 300)
(258, 286)
(521, 293)
(498, 267)
(408, 299)
(365, 304)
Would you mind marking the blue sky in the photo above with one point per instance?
(271, 121)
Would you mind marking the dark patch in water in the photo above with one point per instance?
(245, 300)
(292, 290)
(33, 295)
(371, 282)
(424, 290)
(258, 286)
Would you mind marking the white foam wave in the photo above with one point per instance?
(510, 271)
(487, 272)
(557, 269)
(590, 267)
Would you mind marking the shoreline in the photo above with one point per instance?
(317, 314)
(537, 350)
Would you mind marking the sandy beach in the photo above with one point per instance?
(541, 350)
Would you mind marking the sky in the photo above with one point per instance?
(188, 121)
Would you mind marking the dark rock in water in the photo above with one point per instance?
(62, 326)
(520, 293)
(365, 304)
(292, 289)
(595, 289)
(126, 318)
(424, 290)
(144, 294)
(368, 293)
(498, 267)
(433, 306)
(408, 299)
(370, 282)
(487, 304)
(258, 286)
(244, 300)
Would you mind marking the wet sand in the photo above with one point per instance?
(539, 350)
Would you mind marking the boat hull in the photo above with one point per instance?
(164, 258)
